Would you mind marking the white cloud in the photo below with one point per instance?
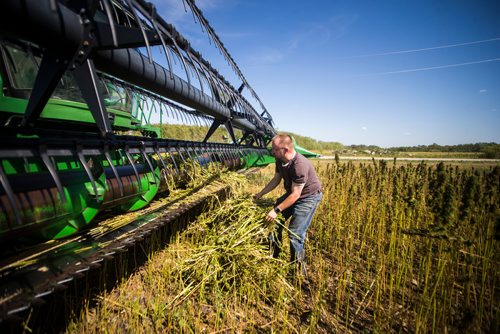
(364, 128)
(483, 90)
(316, 34)
(267, 56)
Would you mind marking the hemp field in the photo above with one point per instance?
(406, 248)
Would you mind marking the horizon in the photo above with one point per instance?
(387, 147)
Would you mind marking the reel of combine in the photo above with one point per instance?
(85, 110)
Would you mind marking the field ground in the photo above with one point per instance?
(393, 248)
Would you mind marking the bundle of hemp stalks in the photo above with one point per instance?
(217, 275)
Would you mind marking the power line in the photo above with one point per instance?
(435, 67)
(427, 49)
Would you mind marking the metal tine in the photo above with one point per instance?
(220, 154)
(175, 56)
(143, 151)
(162, 124)
(107, 9)
(143, 105)
(181, 116)
(129, 157)
(116, 15)
(181, 57)
(214, 152)
(185, 117)
(210, 152)
(153, 107)
(157, 152)
(211, 78)
(148, 103)
(10, 195)
(192, 12)
(217, 153)
(128, 91)
(138, 20)
(194, 117)
(184, 4)
(115, 172)
(172, 112)
(240, 155)
(52, 171)
(185, 148)
(224, 155)
(195, 69)
(162, 40)
(167, 109)
(230, 151)
(229, 157)
(197, 120)
(190, 117)
(190, 152)
(189, 120)
(203, 121)
(180, 153)
(81, 157)
(203, 29)
(243, 152)
(173, 159)
(198, 150)
(193, 156)
(201, 152)
(176, 113)
(206, 150)
(208, 121)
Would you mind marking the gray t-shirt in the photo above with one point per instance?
(301, 171)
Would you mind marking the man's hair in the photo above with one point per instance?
(283, 139)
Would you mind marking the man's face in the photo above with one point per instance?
(278, 151)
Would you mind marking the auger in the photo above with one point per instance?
(84, 98)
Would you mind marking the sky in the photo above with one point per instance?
(386, 72)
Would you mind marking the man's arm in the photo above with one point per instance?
(288, 202)
(275, 181)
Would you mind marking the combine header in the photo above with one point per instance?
(87, 89)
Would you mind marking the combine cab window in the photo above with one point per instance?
(22, 68)
(116, 97)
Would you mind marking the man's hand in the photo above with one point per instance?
(271, 215)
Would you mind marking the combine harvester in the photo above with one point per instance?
(83, 105)
(87, 87)
(78, 77)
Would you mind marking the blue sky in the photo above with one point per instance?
(387, 73)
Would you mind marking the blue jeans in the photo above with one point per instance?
(302, 213)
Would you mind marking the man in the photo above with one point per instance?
(302, 196)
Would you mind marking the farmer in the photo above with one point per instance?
(302, 196)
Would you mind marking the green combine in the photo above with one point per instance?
(83, 103)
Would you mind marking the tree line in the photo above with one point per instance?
(197, 133)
